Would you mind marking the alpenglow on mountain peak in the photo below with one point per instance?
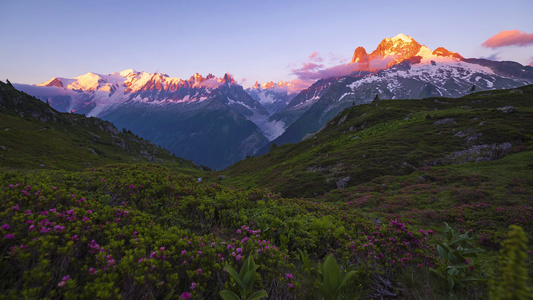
(133, 81)
(394, 50)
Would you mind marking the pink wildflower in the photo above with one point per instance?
(185, 296)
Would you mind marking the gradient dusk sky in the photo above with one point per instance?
(252, 40)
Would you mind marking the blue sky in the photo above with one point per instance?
(252, 40)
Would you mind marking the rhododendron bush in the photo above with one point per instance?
(143, 231)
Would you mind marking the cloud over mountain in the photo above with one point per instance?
(509, 38)
(313, 70)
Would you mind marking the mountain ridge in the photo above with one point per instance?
(399, 67)
(35, 135)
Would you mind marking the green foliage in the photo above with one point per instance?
(245, 280)
(331, 279)
(457, 254)
(511, 282)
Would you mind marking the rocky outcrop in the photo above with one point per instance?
(445, 121)
(361, 57)
(441, 51)
(476, 153)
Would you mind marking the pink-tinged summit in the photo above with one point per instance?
(131, 81)
(394, 50)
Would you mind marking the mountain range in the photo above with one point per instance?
(399, 68)
(214, 121)
(34, 135)
(210, 120)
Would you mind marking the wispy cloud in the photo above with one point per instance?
(313, 70)
(315, 56)
(509, 38)
(336, 59)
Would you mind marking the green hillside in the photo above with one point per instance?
(395, 137)
(403, 199)
(34, 135)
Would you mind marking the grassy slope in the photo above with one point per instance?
(36, 136)
(393, 137)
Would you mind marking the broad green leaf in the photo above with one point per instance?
(345, 278)
(248, 281)
(332, 274)
(442, 252)
(228, 295)
(436, 272)
(328, 295)
(459, 258)
(462, 266)
(460, 239)
(246, 266)
(234, 274)
(258, 295)
(472, 252)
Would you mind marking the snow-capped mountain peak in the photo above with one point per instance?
(396, 49)
(441, 51)
(401, 37)
(273, 96)
(273, 85)
(127, 72)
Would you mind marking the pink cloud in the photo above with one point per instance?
(298, 85)
(509, 38)
(336, 59)
(307, 71)
(315, 57)
(312, 71)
